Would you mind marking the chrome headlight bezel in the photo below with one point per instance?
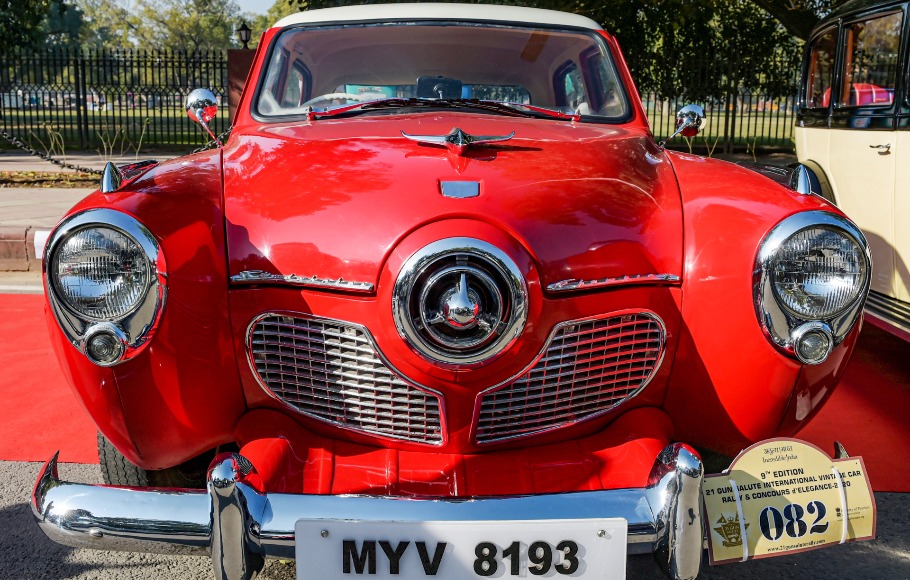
(134, 327)
(783, 325)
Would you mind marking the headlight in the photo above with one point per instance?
(105, 277)
(100, 273)
(812, 275)
(818, 272)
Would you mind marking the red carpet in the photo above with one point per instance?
(867, 413)
(40, 413)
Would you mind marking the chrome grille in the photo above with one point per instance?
(587, 368)
(331, 371)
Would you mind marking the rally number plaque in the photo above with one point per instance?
(783, 496)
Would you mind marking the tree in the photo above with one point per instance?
(62, 25)
(21, 23)
(698, 49)
(259, 23)
(799, 17)
(106, 24)
(192, 25)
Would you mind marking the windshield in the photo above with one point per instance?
(329, 67)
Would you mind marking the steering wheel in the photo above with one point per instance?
(332, 97)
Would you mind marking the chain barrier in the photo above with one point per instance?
(21, 145)
(214, 142)
(18, 143)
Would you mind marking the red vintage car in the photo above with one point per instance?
(440, 288)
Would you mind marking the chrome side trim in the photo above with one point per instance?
(314, 281)
(777, 322)
(889, 314)
(239, 526)
(139, 325)
(576, 284)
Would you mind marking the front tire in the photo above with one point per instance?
(118, 470)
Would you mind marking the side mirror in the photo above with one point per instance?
(689, 121)
(202, 107)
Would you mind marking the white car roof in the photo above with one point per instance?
(438, 11)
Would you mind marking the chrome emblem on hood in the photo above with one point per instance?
(457, 141)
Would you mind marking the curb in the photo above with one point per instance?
(21, 248)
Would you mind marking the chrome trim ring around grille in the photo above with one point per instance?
(471, 278)
(586, 368)
(333, 371)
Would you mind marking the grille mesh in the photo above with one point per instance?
(330, 371)
(588, 368)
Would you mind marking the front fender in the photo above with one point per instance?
(730, 387)
(181, 396)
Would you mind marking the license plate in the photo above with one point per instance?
(455, 550)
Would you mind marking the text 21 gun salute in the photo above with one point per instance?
(442, 306)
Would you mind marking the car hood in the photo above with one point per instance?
(333, 198)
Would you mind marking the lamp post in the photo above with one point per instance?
(244, 32)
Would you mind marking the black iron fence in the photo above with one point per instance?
(117, 102)
(742, 120)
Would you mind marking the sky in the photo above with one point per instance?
(255, 6)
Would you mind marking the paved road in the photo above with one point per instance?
(25, 553)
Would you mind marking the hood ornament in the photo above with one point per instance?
(457, 141)
(461, 306)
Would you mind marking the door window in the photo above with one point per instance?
(871, 49)
(821, 69)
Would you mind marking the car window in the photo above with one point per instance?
(573, 87)
(821, 69)
(294, 87)
(511, 64)
(871, 49)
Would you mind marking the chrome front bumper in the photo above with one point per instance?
(239, 526)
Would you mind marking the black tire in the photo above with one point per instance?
(118, 470)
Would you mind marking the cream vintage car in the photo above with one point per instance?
(852, 130)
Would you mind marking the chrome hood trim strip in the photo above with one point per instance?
(314, 281)
(575, 284)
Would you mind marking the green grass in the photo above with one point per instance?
(753, 128)
(122, 127)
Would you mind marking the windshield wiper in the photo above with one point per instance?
(524, 109)
(512, 109)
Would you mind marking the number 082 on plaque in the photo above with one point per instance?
(782, 496)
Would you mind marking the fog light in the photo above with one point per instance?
(812, 343)
(104, 345)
